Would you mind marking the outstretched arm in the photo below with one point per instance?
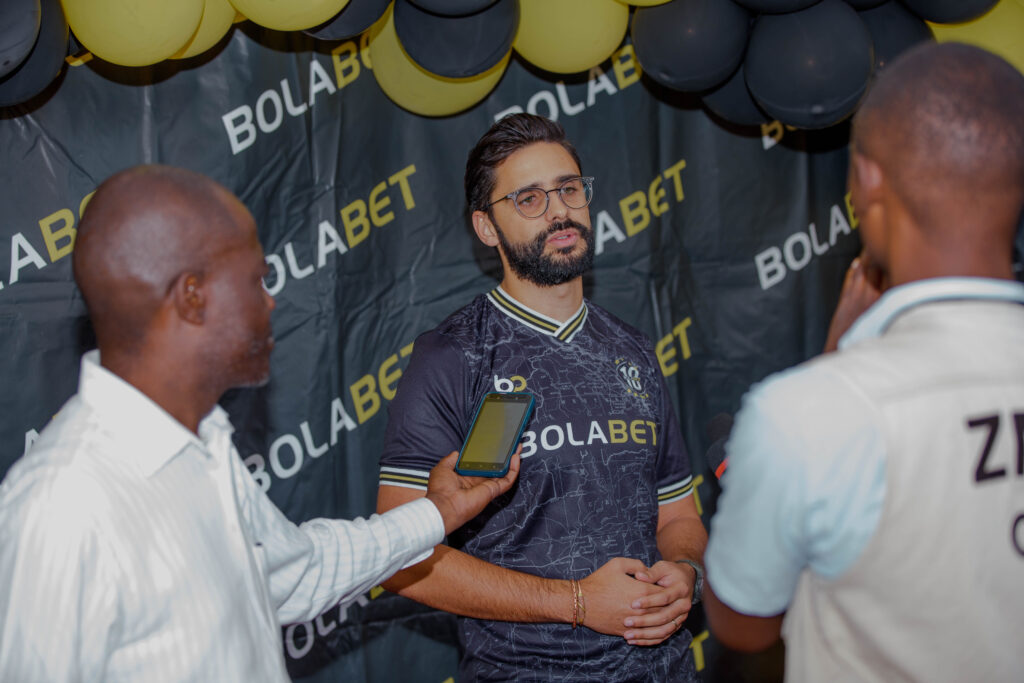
(326, 561)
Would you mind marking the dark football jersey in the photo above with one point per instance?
(601, 451)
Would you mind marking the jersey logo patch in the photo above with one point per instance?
(629, 374)
(504, 385)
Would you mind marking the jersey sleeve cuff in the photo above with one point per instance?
(675, 491)
(404, 477)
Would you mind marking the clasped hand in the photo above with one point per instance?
(644, 605)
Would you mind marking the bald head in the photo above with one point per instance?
(946, 125)
(141, 231)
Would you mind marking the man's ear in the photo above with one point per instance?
(866, 178)
(484, 228)
(189, 297)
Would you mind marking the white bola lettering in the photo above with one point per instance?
(280, 442)
(595, 434)
(798, 249)
(299, 651)
(544, 437)
(269, 125)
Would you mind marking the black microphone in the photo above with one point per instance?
(718, 433)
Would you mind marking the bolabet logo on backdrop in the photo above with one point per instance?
(800, 248)
(245, 123)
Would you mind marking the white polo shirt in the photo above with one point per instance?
(851, 474)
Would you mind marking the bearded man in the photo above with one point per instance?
(588, 568)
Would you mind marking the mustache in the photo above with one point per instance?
(559, 226)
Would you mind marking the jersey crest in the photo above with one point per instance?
(629, 376)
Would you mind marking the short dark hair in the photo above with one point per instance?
(945, 120)
(505, 137)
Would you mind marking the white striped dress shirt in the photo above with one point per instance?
(131, 550)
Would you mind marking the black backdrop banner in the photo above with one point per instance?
(726, 246)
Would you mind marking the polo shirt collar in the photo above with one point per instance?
(898, 300)
(564, 331)
(145, 433)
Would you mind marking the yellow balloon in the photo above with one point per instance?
(289, 15)
(411, 87)
(1000, 30)
(133, 32)
(218, 16)
(567, 36)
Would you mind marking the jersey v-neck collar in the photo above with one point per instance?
(538, 321)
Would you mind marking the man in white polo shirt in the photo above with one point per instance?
(873, 510)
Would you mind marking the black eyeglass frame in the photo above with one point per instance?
(588, 188)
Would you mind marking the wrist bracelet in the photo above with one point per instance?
(579, 608)
(698, 581)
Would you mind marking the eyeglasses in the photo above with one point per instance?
(532, 202)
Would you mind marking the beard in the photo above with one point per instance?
(529, 261)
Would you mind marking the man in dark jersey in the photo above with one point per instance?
(587, 569)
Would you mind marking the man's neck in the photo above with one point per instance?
(172, 391)
(559, 302)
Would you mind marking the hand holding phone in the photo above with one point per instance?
(494, 434)
(460, 499)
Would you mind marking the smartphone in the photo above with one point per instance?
(494, 434)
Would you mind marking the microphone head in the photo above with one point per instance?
(718, 431)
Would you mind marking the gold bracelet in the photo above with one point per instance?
(582, 603)
(575, 601)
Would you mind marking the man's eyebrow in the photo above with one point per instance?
(558, 181)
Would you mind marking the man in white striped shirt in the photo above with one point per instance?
(136, 545)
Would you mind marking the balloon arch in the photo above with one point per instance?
(805, 63)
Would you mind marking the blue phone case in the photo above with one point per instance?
(512, 398)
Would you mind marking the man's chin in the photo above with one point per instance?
(253, 382)
(258, 376)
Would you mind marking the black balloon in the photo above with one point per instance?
(809, 69)
(456, 47)
(864, 4)
(893, 29)
(776, 6)
(19, 27)
(732, 101)
(691, 45)
(353, 19)
(43, 63)
(950, 11)
(453, 8)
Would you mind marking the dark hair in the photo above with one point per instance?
(506, 136)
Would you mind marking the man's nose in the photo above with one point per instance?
(556, 207)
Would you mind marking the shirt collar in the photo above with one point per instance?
(538, 321)
(147, 435)
(898, 300)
